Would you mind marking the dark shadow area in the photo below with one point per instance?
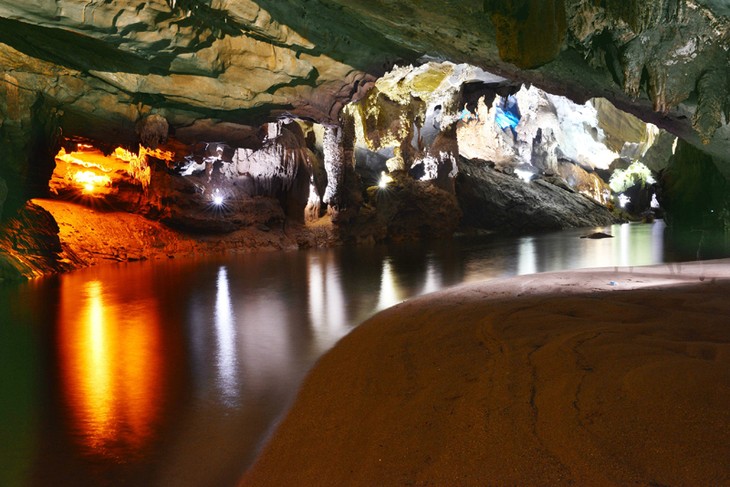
(74, 50)
(695, 244)
(339, 35)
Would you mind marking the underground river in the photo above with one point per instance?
(174, 373)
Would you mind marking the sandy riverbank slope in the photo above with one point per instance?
(608, 377)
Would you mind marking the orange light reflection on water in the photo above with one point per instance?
(110, 359)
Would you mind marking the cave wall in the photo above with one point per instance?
(233, 56)
(104, 66)
(696, 198)
(625, 51)
(311, 57)
(215, 70)
(694, 193)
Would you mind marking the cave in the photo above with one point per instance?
(202, 200)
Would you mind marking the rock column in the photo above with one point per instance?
(339, 162)
(334, 155)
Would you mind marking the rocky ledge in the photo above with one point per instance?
(502, 202)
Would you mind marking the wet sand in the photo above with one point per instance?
(605, 377)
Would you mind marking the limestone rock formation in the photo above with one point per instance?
(30, 245)
(497, 201)
(641, 45)
(409, 210)
(597, 235)
(310, 58)
(153, 131)
(528, 33)
(694, 193)
(191, 75)
(552, 128)
(555, 137)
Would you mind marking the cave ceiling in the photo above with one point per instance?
(105, 64)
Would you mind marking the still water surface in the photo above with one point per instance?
(174, 373)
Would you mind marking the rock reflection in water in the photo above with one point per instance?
(326, 298)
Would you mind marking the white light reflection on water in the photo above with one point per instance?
(326, 300)
(432, 283)
(625, 245)
(226, 341)
(266, 348)
(657, 240)
(389, 293)
(631, 245)
(316, 291)
(526, 258)
(635, 245)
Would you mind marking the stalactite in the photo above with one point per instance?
(339, 162)
(314, 203)
(275, 166)
(633, 62)
(351, 192)
(153, 131)
(710, 103)
(529, 33)
(348, 139)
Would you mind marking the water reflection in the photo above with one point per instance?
(390, 291)
(631, 245)
(326, 298)
(21, 378)
(432, 282)
(174, 373)
(109, 360)
(226, 340)
(526, 257)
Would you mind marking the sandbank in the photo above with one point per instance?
(616, 376)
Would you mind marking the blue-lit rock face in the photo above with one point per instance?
(508, 114)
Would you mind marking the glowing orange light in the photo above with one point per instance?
(90, 181)
(123, 154)
(110, 367)
(99, 170)
(138, 165)
(79, 158)
(160, 154)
